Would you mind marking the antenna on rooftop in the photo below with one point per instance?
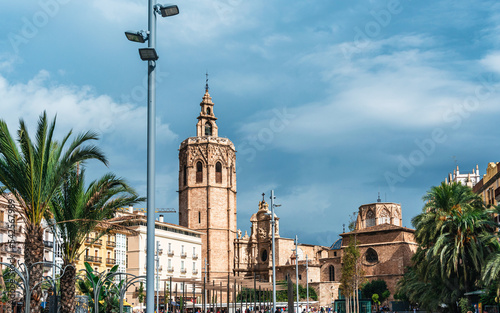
(379, 200)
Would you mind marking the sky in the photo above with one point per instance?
(328, 103)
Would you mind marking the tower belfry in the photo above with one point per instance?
(207, 189)
(206, 125)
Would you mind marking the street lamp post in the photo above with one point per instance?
(297, 268)
(157, 276)
(273, 224)
(149, 54)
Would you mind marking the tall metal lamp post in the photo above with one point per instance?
(273, 224)
(149, 54)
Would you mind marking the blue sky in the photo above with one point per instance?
(328, 102)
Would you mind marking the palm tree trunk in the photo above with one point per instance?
(33, 253)
(68, 281)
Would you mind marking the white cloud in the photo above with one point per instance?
(77, 108)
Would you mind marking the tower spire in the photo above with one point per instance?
(206, 82)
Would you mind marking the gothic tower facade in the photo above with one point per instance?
(207, 190)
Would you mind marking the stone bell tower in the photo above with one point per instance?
(207, 190)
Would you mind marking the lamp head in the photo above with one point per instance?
(148, 54)
(168, 10)
(136, 36)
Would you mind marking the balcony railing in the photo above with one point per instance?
(89, 241)
(110, 261)
(8, 249)
(195, 256)
(93, 259)
(183, 271)
(110, 244)
(195, 272)
(170, 268)
(170, 252)
(183, 254)
(48, 244)
(98, 242)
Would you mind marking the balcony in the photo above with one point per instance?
(48, 244)
(183, 254)
(110, 261)
(110, 244)
(195, 256)
(4, 225)
(183, 271)
(14, 250)
(160, 268)
(195, 272)
(497, 194)
(170, 269)
(93, 259)
(170, 252)
(89, 241)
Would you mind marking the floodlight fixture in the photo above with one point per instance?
(148, 54)
(167, 10)
(136, 36)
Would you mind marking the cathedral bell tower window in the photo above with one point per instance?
(199, 172)
(208, 111)
(184, 175)
(208, 129)
(331, 273)
(218, 173)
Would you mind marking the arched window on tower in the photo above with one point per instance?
(208, 129)
(371, 256)
(331, 273)
(209, 111)
(184, 175)
(199, 172)
(384, 218)
(370, 219)
(218, 173)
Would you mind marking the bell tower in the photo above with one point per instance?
(207, 190)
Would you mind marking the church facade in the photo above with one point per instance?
(207, 203)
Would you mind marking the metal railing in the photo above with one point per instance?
(94, 259)
(170, 252)
(48, 244)
(110, 261)
(110, 243)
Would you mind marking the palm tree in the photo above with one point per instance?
(77, 211)
(455, 235)
(33, 171)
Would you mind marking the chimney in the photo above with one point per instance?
(130, 209)
(161, 218)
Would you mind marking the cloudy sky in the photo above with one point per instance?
(328, 102)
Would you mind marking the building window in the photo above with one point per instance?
(199, 217)
(182, 265)
(208, 129)
(331, 273)
(169, 247)
(218, 173)
(334, 253)
(263, 256)
(231, 176)
(208, 111)
(199, 172)
(184, 175)
(300, 277)
(371, 256)
(384, 218)
(194, 266)
(370, 219)
(194, 251)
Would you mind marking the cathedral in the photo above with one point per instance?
(207, 203)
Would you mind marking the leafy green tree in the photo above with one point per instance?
(140, 294)
(108, 295)
(76, 211)
(33, 171)
(455, 233)
(378, 286)
(351, 273)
